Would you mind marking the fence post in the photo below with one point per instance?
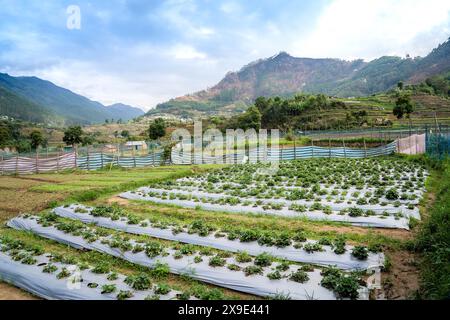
(312, 148)
(88, 159)
(329, 148)
(134, 157)
(345, 153)
(3, 164)
(154, 155)
(37, 160)
(365, 147)
(295, 149)
(17, 164)
(76, 158)
(57, 161)
(101, 158)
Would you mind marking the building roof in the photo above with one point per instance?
(135, 143)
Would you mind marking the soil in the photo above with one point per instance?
(402, 280)
(8, 292)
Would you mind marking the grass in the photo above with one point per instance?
(433, 240)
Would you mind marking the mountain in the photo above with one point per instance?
(123, 111)
(17, 107)
(284, 75)
(72, 107)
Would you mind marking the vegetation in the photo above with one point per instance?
(157, 129)
(433, 241)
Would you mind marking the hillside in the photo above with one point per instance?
(284, 75)
(71, 107)
(14, 106)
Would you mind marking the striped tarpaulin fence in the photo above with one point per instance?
(285, 154)
(27, 165)
(93, 161)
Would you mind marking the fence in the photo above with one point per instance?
(438, 144)
(93, 159)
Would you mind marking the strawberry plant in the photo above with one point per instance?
(234, 267)
(162, 289)
(108, 288)
(299, 276)
(243, 257)
(360, 252)
(275, 275)
(124, 295)
(138, 282)
(252, 270)
(49, 268)
(217, 261)
(263, 260)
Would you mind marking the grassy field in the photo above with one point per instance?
(38, 193)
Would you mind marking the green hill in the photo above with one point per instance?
(72, 107)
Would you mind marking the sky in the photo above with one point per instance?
(144, 52)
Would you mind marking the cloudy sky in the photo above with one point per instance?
(144, 52)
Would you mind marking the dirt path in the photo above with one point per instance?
(8, 292)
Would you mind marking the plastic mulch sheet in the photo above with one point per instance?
(257, 284)
(371, 221)
(31, 278)
(325, 258)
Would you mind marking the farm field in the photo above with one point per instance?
(136, 225)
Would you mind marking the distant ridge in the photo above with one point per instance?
(284, 75)
(31, 95)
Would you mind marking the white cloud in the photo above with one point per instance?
(370, 28)
(184, 52)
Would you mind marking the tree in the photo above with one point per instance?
(403, 105)
(5, 136)
(87, 140)
(400, 85)
(73, 135)
(157, 129)
(125, 134)
(36, 139)
(251, 119)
